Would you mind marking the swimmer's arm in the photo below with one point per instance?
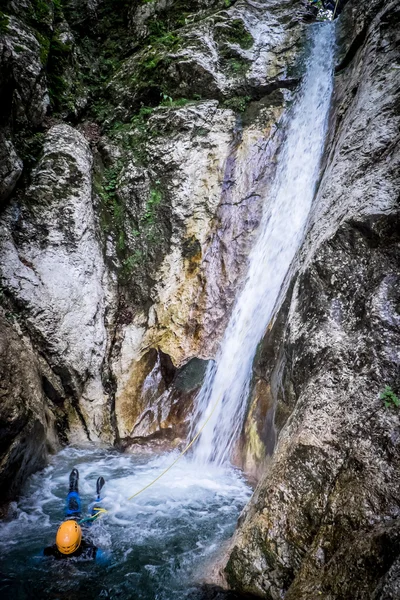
(103, 557)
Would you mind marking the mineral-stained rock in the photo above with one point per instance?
(324, 519)
(27, 429)
(212, 174)
(51, 265)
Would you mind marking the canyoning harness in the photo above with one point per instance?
(97, 512)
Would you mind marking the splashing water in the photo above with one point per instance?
(280, 234)
(159, 543)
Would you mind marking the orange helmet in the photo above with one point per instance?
(69, 537)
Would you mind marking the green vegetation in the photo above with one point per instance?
(42, 11)
(30, 148)
(238, 34)
(160, 36)
(59, 58)
(44, 46)
(136, 238)
(153, 201)
(168, 101)
(237, 66)
(237, 103)
(4, 22)
(323, 14)
(132, 261)
(389, 397)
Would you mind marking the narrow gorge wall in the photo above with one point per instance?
(324, 519)
(137, 142)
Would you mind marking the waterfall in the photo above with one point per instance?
(281, 231)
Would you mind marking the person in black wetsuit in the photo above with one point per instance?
(69, 541)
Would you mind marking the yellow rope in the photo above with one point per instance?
(181, 454)
(102, 511)
(334, 12)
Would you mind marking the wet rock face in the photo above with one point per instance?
(164, 178)
(186, 179)
(53, 270)
(324, 519)
(23, 91)
(27, 424)
(216, 51)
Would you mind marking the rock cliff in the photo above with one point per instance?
(324, 519)
(137, 142)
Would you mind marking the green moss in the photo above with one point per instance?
(137, 240)
(131, 262)
(31, 148)
(161, 36)
(153, 202)
(44, 46)
(238, 34)
(237, 103)
(4, 22)
(42, 10)
(389, 398)
(236, 66)
(59, 59)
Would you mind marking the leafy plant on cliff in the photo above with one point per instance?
(42, 11)
(153, 201)
(237, 66)
(389, 397)
(238, 34)
(161, 36)
(237, 103)
(58, 61)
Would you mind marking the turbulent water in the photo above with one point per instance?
(226, 387)
(159, 544)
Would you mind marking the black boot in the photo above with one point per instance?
(74, 480)
(99, 484)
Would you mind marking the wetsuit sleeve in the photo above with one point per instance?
(102, 557)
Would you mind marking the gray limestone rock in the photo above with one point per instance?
(27, 424)
(24, 95)
(249, 48)
(10, 168)
(324, 519)
(52, 266)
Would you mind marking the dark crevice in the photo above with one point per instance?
(352, 51)
(75, 404)
(257, 93)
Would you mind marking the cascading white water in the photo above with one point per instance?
(280, 234)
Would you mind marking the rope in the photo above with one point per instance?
(334, 12)
(181, 454)
(102, 511)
